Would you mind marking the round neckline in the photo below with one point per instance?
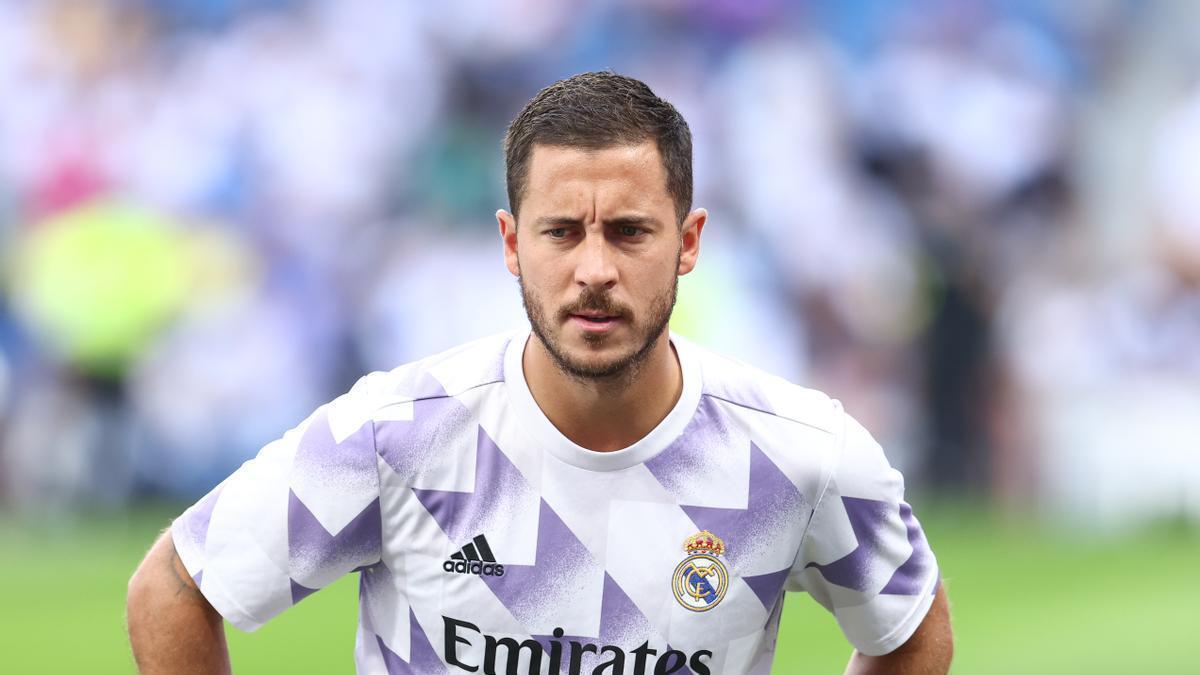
(553, 440)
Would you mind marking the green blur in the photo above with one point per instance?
(1025, 600)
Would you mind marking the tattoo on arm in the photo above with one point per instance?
(186, 585)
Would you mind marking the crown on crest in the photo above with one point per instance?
(704, 542)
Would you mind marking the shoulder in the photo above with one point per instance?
(449, 373)
(431, 383)
(764, 395)
(422, 413)
(800, 430)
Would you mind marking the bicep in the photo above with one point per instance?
(162, 574)
(172, 627)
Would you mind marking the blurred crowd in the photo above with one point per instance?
(977, 224)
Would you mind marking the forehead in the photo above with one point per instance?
(620, 176)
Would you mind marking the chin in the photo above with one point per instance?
(611, 361)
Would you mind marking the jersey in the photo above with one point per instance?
(486, 541)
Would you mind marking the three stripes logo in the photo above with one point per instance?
(474, 558)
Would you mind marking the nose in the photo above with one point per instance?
(595, 266)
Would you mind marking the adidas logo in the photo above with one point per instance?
(474, 558)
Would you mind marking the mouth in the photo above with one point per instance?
(595, 322)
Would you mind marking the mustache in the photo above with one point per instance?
(591, 300)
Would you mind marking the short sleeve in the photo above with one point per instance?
(290, 521)
(864, 556)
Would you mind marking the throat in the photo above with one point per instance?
(605, 414)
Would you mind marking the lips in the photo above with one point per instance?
(596, 318)
(595, 323)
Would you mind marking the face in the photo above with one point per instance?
(598, 253)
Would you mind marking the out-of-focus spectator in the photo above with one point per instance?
(214, 216)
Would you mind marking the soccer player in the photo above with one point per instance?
(594, 496)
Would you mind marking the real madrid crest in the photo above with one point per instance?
(700, 581)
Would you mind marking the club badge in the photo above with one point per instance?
(700, 581)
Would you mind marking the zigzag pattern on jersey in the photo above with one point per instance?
(563, 568)
(436, 418)
(377, 582)
(196, 523)
(621, 622)
(316, 556)
(422, 660)
(773, 504)
(868, 519)
(562, 564)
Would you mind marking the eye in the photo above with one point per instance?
(631, 231)
(557, 233)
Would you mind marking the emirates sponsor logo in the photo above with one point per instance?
(561, 656)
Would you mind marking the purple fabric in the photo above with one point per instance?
(300, 592)
(406, 445)
(868, 518)
(323, 465)
(422, 659)
(462, 515)
(910, 577)
(196, 520)
(197, 577)
(312, 550)
(421, 654)
(561, 571)
(768, 586)
(773, 508)
(392, 661)
(685, 670)
(619, 617)
(621, 622)
(706, 434)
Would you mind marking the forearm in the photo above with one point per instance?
(172, 628)
(928, 652)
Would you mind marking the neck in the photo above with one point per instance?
(605, 414)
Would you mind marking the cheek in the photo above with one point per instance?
(546, 272)
(651, 280)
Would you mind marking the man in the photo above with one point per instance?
(594, 496)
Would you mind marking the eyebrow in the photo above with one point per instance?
(619, 221)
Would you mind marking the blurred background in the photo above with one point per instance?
(976, 223)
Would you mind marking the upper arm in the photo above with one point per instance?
(172, 627)
(162, 573)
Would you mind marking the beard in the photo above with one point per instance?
(623, 368)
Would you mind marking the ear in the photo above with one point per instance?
(689, 235)
(508, 233)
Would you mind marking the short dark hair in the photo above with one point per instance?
(599, 110)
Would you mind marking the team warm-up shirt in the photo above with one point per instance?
(488, 542)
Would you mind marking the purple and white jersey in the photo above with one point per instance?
(488, 542)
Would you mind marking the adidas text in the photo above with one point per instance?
(483, 569)
(475, 558)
